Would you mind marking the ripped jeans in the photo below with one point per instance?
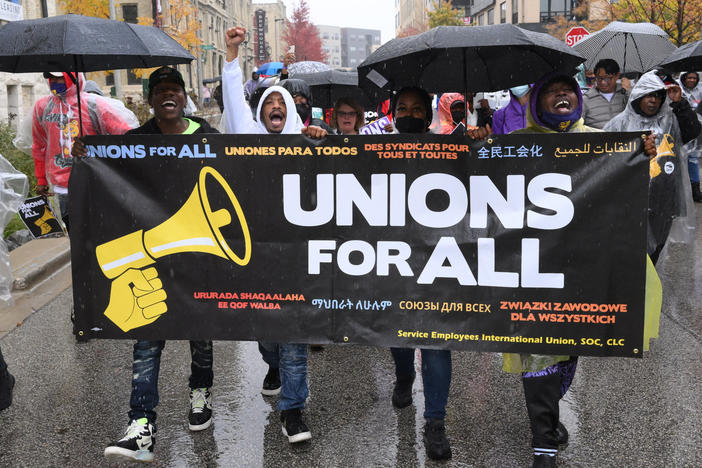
(145, 368)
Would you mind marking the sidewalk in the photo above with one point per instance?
(41, 269)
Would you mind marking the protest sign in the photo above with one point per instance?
(39, 218)
(520, 243)
(376, 127)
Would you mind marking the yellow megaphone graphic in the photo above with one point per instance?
(137, 297)
(43, 222)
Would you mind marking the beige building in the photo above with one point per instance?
(411, 15)
(534, 14)
(331, 44)
(19, 91)
(272, 30)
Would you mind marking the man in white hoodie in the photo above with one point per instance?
(276, 113)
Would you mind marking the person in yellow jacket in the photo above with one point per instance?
(555, 106)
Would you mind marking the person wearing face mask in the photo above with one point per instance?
(513, 116)
(411, 109)
(656, 104)
(452, 112)
(555, 106)
(300, 92)
(55, 124)
(347, 116)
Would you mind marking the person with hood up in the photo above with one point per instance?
(287, 362)
(251, 85)
(452, 112)
(555, 105)
(168, 98)
(300, 92)
(513, 116)
(673, 125)
(55, 125)
(692, 92)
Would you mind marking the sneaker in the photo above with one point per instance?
(200, 416)
(136, 445)
(402, 393)
(561, 435)
(544, 461)
(294, 427)
(6, 385)
(435, 441)
(271, 383)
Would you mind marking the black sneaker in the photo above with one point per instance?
(402, 393)
(561, 435)
(200, 416)
(271, 383)
(435, 441)
(294, 427)
(544, 461)
(6, 386)
(136, 445)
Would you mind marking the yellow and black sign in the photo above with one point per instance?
(521, 243)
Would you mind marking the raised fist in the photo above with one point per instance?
(137, 298)
(235, 36)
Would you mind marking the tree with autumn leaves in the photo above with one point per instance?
(302, 34)
(680, 19)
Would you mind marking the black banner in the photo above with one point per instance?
(521, 243)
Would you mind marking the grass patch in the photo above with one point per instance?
(23, 163)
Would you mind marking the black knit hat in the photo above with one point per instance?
(165, 74)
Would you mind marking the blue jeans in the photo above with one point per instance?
(693, 166)
(291, 359)
(145, 368)
(436, 375)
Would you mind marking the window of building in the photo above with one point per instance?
(132, 79)
(130, 13)
(503, 12)
(550, 9)
(515, 11)
(481, 20)
(491, 16)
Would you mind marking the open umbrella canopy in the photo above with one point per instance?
(305, 67)
(686, 58)
(456, 58)
(637, 47)
(269, 68)
(81, 43)
(328, 86)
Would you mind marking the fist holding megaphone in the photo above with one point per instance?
(137, 297)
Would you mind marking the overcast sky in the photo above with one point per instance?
(370, 14)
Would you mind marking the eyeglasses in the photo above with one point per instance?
(605, 78)
(345, 114)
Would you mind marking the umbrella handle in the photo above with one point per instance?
(75, 81)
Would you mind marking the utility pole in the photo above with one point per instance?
(117, 74)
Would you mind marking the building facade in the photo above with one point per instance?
(411, 16)
(271, 31)
(357, 44)
(18, 92)
(331, 44)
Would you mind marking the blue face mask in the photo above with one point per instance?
(57, 88)
(520, 91)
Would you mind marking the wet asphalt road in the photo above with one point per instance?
(71, 400)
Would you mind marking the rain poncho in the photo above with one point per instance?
(518, 363)
(55, 124)
(446, 121)
(237, 114)
(669, 192)
(13, 190)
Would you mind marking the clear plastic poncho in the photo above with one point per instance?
(13, 191)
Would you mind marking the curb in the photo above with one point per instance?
(37, 259)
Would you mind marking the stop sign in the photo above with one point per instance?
(575, 34)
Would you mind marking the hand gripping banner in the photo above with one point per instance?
(520, 243)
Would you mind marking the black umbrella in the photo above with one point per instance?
(82, 43)
(686, 58)
(460, 58)
(328, 86)
(74, 43)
